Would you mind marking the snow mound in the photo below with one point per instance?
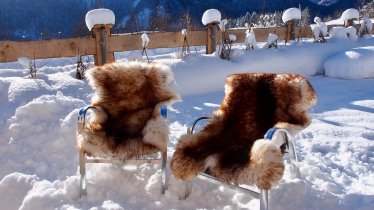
(13, 188)
(211, 15)
(338, 32)
(52, 154)
(250, 38)
(25, 62)
(367, 24)
(317, 20)
(315, 30)
(323, 28)
(350, 14)
(272, 38)
(353, 64)
(291, 14)
(232, 37)
(99, 16)
(352, 32)
(4, 88)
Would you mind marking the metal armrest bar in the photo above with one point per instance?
(290, 148)
(83, 112)
(192, 124)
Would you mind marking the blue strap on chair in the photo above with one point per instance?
(270, 133)
(164, 112)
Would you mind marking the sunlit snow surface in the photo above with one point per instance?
(39, 159)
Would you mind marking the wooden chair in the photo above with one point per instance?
(129, 117)
(231, 147)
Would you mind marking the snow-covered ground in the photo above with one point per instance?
(39, 159)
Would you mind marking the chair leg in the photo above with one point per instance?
(82, 171)
(187, 189)
(264, 199)
(164, 173)
(292, 159)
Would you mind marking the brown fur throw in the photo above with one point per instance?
(228, 146)
(128, 97)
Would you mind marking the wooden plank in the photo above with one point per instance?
(304, 32)
(56, 48)
(263, 33)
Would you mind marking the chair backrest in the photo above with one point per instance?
(128, 98)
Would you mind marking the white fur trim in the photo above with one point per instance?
(93, 145)
(99, 115)
(266, 167)
(156, 133)
(267, 162)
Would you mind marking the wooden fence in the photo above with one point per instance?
(11, 50)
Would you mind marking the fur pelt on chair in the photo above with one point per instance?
(127, 121)
(230, 146)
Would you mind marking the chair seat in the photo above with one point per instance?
(98, 143)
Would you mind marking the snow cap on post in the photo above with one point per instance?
(350, 14)
(145, 40)
(99, 16)
(211, 15)
(291, 14)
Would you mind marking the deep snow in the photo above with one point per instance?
(39, 160)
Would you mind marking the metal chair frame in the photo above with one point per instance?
(286, 144)
(84, 158)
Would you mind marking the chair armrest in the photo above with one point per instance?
(83, 112)
(192, 123)
(283, 139)
(164, 112)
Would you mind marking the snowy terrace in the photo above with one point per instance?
(39, 158)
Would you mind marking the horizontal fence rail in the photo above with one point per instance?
(11, 50)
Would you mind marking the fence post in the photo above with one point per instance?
(101, 33)
(291, 32)
(212, 37)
